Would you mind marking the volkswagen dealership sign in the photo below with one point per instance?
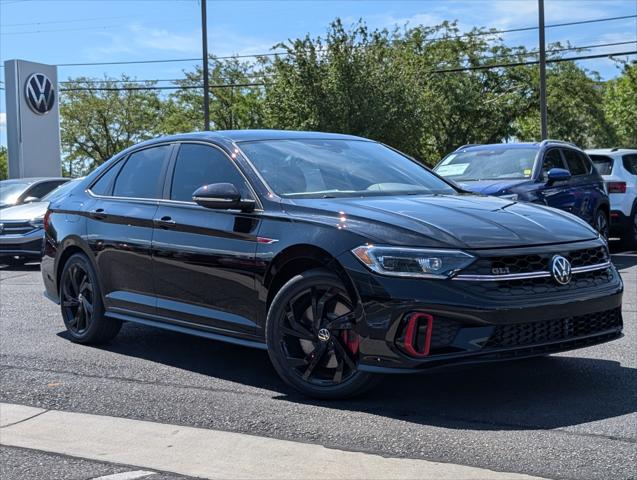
(33, 123)
(40, 93)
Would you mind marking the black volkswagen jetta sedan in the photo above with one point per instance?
(339, 255)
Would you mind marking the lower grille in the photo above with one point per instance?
(506, 336)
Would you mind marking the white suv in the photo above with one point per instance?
(618, 168)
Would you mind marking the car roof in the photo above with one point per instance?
(252, 135)
(31, 180)
(610, 151)
(495, 146)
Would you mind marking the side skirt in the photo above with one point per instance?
(188, 330)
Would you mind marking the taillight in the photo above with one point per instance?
(416, 338)
(45, 221)
(616, 187)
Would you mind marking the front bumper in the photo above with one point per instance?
(28, 245)
(472, 324)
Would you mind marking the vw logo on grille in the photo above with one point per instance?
(39, 93)
(561, 269)
(324, 335)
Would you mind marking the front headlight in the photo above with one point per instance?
(513, 197)
(412, 262)
(37, 222)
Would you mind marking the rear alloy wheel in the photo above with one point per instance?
(81, 302)
(601, 223)
(311, 340)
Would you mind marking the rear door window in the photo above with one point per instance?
(630, 163)
(603, 164)
(575, 162)
(143, 174)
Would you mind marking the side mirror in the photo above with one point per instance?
(557, 175)
(31, 199)
(222, 196)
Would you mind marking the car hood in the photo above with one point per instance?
(26, 211)
(491, 187)
(458, 221)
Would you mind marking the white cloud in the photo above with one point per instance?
(3, 120)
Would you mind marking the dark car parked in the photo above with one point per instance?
(553, 173)
(340, 256)
(23, 190)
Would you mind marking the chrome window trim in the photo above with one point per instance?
(529, 275)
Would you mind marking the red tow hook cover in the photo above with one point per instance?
(411, 333)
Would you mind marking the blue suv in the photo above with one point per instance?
(551, 172)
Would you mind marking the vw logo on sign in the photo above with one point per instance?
(40, 94)
(561, 269)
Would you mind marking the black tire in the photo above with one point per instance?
(601, 223)
(81, 303)
(324, 369)
(629, 238)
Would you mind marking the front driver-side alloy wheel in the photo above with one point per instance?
(311, 339)
(81, 303)
(601, 223)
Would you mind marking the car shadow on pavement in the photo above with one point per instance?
(542, 393)
(624, 260)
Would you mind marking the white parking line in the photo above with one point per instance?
(211, 454)
(126, 475)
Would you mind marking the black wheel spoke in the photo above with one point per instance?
(70, 303)
(73, 278)
(296, 362)
(342, 322)
(343, 355)
(338, 374)
(298, 332)
(315, 358)
(88, 307)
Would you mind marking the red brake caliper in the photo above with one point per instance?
(352, 340)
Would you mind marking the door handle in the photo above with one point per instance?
(98, 214)
(164, 222)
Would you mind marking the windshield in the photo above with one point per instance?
(495, 164)
(10, 190)
(59, 191)
(339, 168)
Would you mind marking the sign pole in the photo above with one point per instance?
(206, 86)
(543, 109)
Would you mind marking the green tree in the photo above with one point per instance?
(386, 86)
(235, 102)
(574, 105)
(620, 105)
(4, 163)
(99, 119)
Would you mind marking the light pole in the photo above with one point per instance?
(204, 48)
(543, 112)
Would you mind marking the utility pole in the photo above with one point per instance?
(543, 111)
(204, 47)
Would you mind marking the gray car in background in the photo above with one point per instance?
(21, 227)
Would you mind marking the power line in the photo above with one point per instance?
(75, 20)
(491, 32)
(443, 70)
(263, 74)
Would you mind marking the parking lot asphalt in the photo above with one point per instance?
(571, 415)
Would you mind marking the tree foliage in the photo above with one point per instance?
(4, 163)
(98, 120)
(408, 87)
(620, 106)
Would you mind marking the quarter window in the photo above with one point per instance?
(142, 175)
(630, 163)
(104, 185)
(603, 164)
(575, 162)
(198, 165)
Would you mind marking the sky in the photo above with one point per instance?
(82, 31)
